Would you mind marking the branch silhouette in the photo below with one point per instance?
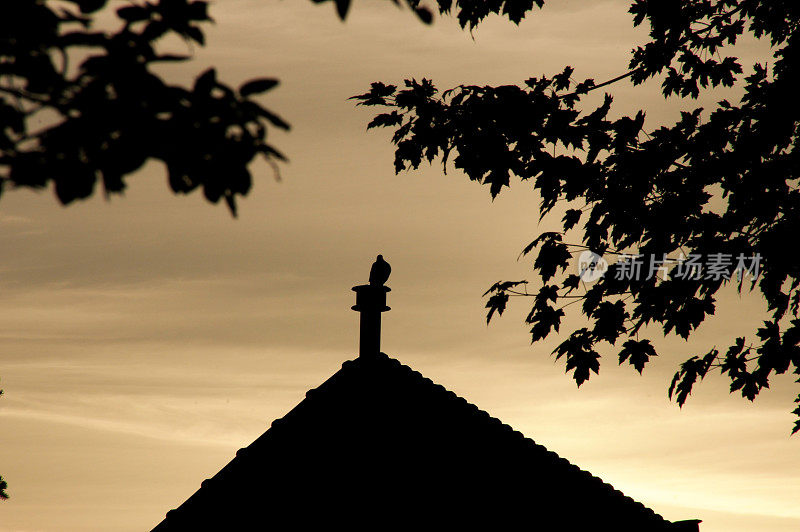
(628, 190)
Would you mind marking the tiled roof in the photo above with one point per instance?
(379, 446)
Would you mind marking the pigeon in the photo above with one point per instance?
(379, 272)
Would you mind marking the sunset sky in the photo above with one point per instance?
(147, 337)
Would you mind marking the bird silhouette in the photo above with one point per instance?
(379, 272)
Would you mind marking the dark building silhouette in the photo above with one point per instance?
(378, 446)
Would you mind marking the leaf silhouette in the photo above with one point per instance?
(257, 86)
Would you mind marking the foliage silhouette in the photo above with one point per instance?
(106, 112)
(721, 185)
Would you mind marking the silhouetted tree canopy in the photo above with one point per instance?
(80, 104)
(709, 200)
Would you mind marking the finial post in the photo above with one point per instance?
(370, 303)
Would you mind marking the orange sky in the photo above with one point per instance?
(147, 338)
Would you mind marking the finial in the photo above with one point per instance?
(370, 302)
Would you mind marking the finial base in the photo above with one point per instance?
(370, 297)
(370, 303)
